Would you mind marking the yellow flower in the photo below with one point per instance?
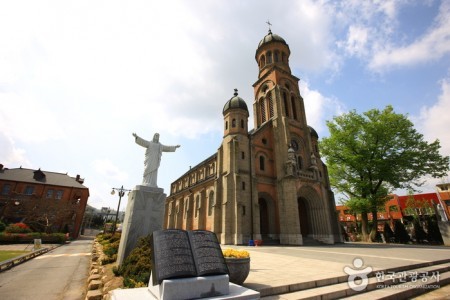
(233, 253)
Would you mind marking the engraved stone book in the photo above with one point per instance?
(179, 253)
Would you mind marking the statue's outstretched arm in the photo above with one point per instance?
(140, 141)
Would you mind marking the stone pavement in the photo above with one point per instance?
(276, 269)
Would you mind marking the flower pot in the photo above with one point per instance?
(239, 269)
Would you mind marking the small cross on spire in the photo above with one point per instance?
(268, 23)
(235, 92)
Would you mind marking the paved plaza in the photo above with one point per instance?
(275, 268)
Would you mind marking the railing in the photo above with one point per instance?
(8, 264)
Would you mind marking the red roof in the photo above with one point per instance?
(431, 198)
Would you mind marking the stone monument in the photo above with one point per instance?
(186, 265)
(145, 208)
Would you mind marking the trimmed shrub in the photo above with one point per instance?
(17, 228)
(137, 266)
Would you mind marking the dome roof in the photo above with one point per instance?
(313, 132)
(235, 102)
(270, 37)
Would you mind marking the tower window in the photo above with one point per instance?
(262, 62)
(270, 105)
(294, 110)
(269, 57)
(264, 141)
(242, 124)
(284, 57)
(243, 155)
(276, 56)
(226, 125)
(286, 107)
(263, 112)
(243, 185)
(261, 163)
(233, 123)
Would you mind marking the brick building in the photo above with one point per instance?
(266, 184)
(45, 201)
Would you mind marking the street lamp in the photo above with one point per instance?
(121, 194)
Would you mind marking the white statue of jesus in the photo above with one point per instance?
(152, 157)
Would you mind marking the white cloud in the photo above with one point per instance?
(433, 45)
(356, 40)
(434, 122)
(11, 155)
(319, 108)
(109, 170)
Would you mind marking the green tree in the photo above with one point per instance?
(372, 154)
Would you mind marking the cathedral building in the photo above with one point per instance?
(268, 183)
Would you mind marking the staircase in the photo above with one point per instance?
(394, 283)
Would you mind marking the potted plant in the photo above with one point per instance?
(238, 263)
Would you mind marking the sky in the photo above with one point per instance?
(77, 78)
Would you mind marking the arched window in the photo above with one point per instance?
(197, 205)
(269, 96)
(261, 163)
(242, 123)
(276, 56)
(233, 123)
(294, 110)
(284, 57)
(211, 203)
(286, 106)
(226, 125)
(262, 61)
(269, 57)
(263, 111)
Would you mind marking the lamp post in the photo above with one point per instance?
(121, 194)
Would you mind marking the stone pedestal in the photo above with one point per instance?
(144, 214)
(191, 288)
(444, 228)
(236, 292)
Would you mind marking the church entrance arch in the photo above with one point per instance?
(263, 216)
(267, 216)
(303, 215)
(311, 213)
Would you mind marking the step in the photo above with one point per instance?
(340, 288)
(405, 291)
(289, 288)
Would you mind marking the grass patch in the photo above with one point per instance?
(5, 255)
